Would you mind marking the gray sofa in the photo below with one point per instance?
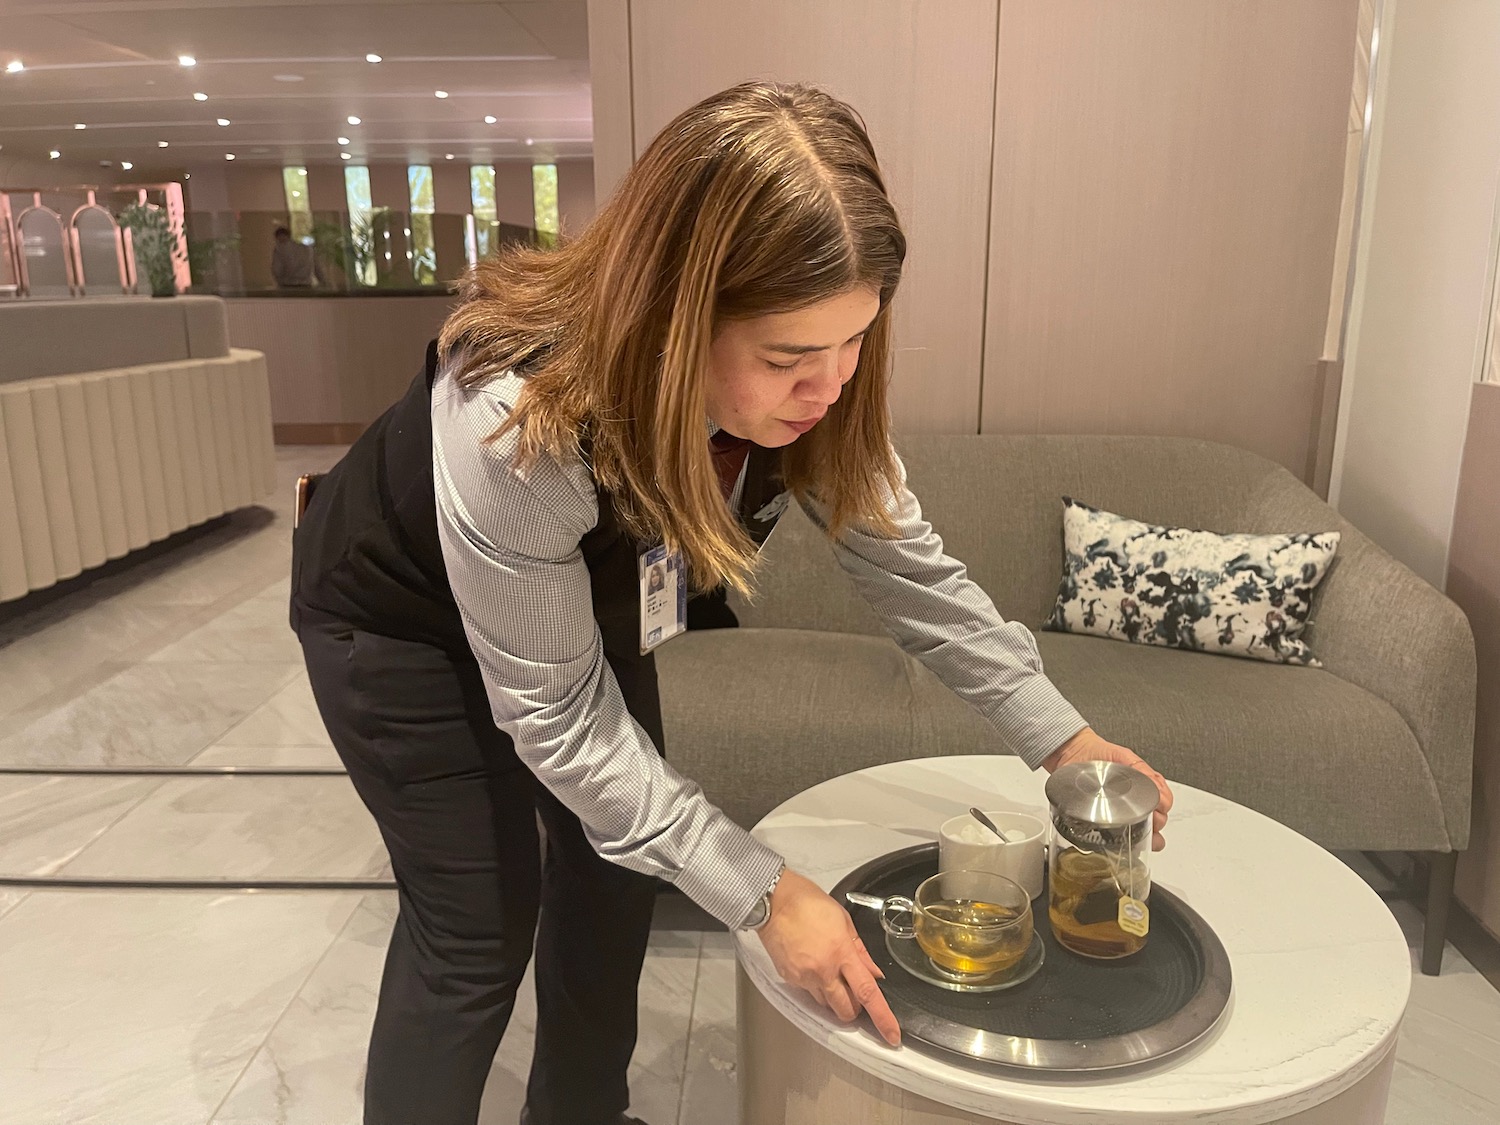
(1371, 752)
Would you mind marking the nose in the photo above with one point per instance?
(823, 385)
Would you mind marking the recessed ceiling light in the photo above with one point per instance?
(296, 195)
(186, 60)
(489, 119)
(187, 175)
(79, 125)
(229, 156)
(54, 154)
(352, 119)
(223, 121)
(343, 156)
(343, 140)
(200, 96)
(15, 66)
(447, 156)
(301, 171)
(126, 165)
(161, 144)
(372, 57)
(530, 141)
(440, 93)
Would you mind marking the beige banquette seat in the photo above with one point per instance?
(122, 422)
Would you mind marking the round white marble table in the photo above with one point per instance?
(1321, 975)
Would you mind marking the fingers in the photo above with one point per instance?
(1166, 793)
(869, 962)
(853, 990)
(1158, 841)
(836, 997)
(864, 989)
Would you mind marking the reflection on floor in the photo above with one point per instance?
(185, 1008)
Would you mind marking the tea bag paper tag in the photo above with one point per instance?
(663, 596)
(1135, 917)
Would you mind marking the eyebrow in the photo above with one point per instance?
(806, 349)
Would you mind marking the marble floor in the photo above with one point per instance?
(190, 1007)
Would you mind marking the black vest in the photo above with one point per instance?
(367, 552)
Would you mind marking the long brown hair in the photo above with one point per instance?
(763, 198)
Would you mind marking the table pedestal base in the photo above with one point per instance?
(786, 1079)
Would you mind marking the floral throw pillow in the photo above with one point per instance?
(1239, 595)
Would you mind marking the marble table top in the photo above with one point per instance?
(1321, 970)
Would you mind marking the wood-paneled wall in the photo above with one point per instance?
(1122, 217)
(1474, 583)
(1168, 176)
(335, 361)
(922, 74)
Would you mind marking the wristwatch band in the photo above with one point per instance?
(761, 913)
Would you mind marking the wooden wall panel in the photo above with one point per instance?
(1474, 583)
(335, 361)
(1167, 182)
(609, 86)
(921, 72)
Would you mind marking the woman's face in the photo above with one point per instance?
(771, 378)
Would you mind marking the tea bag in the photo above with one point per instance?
(1115, 847)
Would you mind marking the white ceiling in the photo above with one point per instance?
(287, 76)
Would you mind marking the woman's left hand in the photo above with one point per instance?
(1086, 746)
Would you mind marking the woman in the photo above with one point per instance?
(471, 593)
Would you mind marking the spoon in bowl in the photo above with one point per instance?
(988, 823)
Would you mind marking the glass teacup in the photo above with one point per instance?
(971, 924)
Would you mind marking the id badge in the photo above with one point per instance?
(663, 597)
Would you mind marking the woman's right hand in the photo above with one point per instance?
(814, 946)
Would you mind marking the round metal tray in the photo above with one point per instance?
(1076, 1014)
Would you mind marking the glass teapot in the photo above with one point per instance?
(1099, 867)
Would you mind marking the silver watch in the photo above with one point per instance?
(760, 913)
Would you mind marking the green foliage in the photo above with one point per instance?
(203, 257)
(333, 246)
(544, 203)
(156, 250)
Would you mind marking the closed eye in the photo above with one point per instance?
(781, 366)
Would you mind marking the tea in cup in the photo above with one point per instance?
(971, 924)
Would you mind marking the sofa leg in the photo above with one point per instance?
(1441, 869)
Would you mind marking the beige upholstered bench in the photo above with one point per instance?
(97, 463)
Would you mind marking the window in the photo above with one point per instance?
(486, 210)
(423, 252)
(298, 207)
(361, 222)
(544, 203)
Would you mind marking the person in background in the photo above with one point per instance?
(293, 265)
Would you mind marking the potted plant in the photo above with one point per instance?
(155, 247)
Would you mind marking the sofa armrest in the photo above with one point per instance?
(1376, 624)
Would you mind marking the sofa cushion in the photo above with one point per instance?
(1234, 595)
(1300, 745)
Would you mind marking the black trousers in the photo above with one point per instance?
(458, 813)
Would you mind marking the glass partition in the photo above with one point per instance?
(44, 252)
(10, 250)
(99, 253)
(369, 250)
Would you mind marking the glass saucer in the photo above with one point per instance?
(908, 954)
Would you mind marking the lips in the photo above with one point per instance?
(806, 424)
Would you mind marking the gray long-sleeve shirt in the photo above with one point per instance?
(511, 544)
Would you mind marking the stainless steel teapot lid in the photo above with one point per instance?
(1105, 794)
